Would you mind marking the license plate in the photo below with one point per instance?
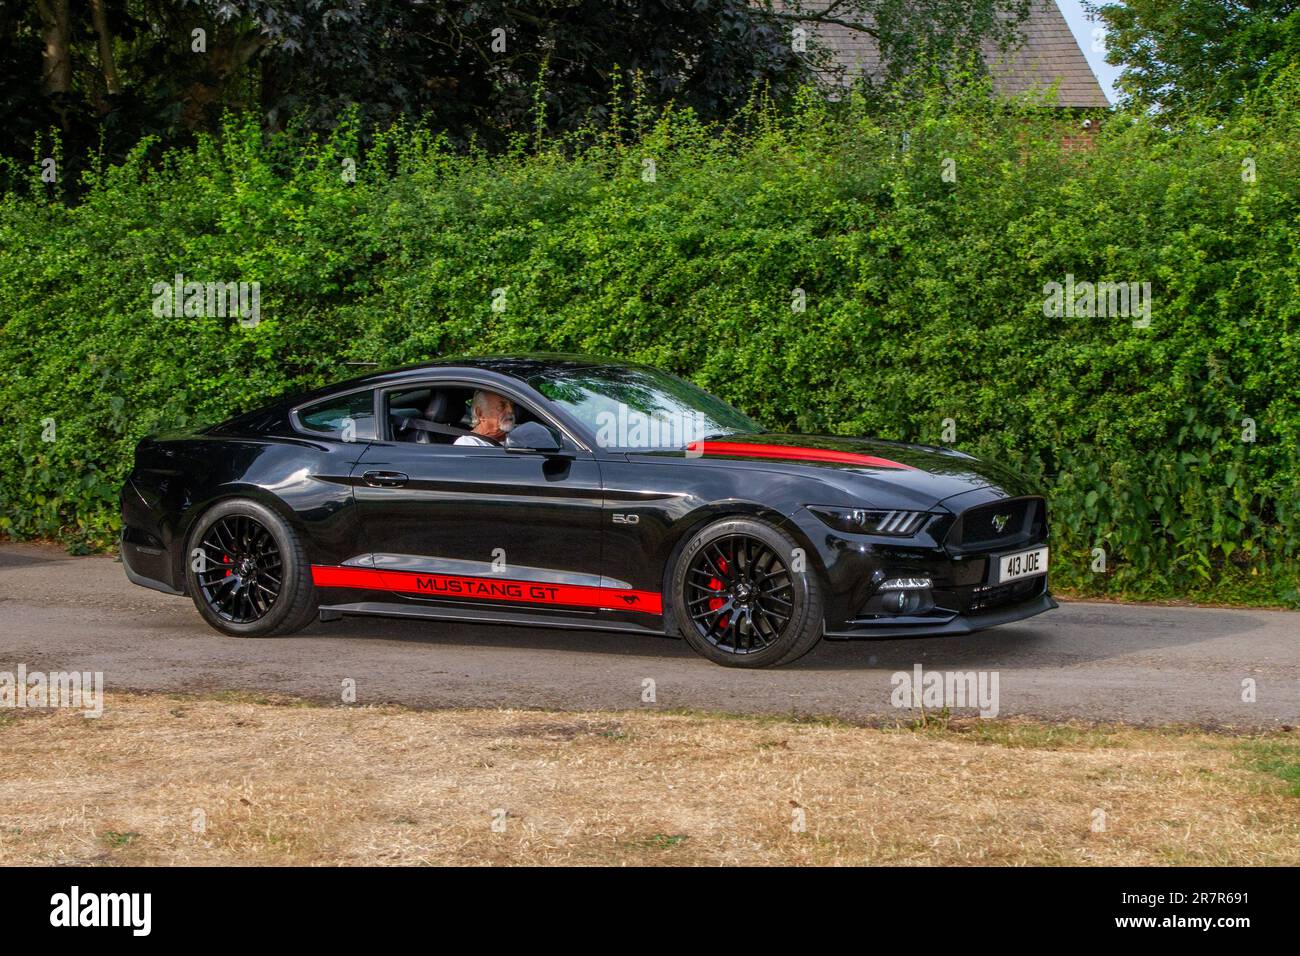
(1022, 564)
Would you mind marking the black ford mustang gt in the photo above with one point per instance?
(623, 499)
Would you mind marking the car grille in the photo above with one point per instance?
(1021, 520)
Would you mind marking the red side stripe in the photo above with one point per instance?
(487, 589)
(792, 453)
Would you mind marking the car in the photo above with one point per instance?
(623, 499)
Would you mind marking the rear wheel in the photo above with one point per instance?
(247, 572)
(739, 600)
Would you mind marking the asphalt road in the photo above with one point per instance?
(1089, 661)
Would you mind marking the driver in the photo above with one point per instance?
(492, 416)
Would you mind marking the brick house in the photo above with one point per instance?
(1048, 54)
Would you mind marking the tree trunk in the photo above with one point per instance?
(106, 64)
(56, 72)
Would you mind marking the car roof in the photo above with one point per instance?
(521, 367)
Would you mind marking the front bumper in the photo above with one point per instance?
(965, 596)
(957, 624)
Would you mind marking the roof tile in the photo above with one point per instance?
(1048, 55)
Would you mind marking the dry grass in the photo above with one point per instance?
(278, 782)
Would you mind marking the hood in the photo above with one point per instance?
(924, 474)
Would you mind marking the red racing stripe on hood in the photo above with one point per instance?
(792, 453)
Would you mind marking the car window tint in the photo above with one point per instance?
(332, 416)
(448, 405)
(637, 408)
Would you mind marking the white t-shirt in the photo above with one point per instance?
(472, 440)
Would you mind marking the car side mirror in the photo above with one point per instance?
(533, 437)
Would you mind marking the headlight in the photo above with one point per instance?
(900, 524)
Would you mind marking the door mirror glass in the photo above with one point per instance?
(532, 436)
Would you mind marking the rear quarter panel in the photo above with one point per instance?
(306, 481)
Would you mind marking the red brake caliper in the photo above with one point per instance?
(225, 559)
(716, 585)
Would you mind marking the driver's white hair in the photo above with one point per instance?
(481, 403)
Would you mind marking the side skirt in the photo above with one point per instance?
(332, 612)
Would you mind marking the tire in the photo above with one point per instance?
(249, 543)
(736, 601)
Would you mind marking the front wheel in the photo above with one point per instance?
(247, 572)
(743, 597)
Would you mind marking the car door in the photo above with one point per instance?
(478, 526)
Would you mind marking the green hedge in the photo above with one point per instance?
(924, 301)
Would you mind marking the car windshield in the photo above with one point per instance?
(638, 408)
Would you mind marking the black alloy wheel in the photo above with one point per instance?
(741, 595)
(240, 570)
(738, 594)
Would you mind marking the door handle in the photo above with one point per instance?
(384, 479)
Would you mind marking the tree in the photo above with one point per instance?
(111, 71)
(1185, 55)
(124, 68)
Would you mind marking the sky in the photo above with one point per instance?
(1082, 28)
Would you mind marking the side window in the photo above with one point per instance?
(439, 414)
(348, 417)
(429, 414)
